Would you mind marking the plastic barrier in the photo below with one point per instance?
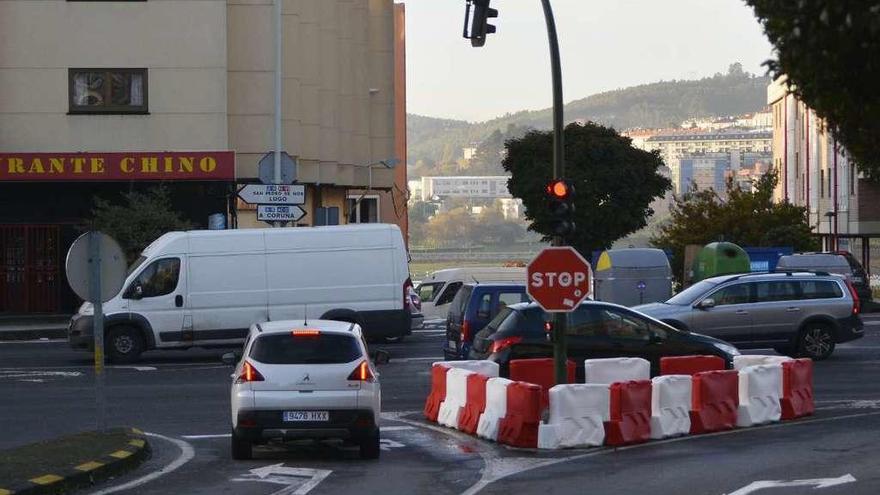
(688, 365)
(540, 372)
(740, 362)
(610, 370)
(577, 416)
(483, 367)
(475, 404)
(496, 408)
(797, 388)
(630, 413)
(438, 390)
(456, 397)
(519, 428)
(759, 395)
(670, 406)
(714, 401)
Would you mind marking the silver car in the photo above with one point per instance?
(796, 313)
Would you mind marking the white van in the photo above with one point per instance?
(438, 289)
(206, 288)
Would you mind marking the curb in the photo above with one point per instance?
(49, 332)
(134, 450)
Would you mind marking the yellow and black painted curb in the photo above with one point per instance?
(132, 450)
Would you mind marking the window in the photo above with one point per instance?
(775, 291)
(852, 178)
(820, 289)
(449, 293)
(326, 348)
(508, 298)
(159, 278)
(484, 310)
(822, 183)
(364, 211)
(112, 91)
(325, 215)
(732, 294)
(606, 322)
(427, 292)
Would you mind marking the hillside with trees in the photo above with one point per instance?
(434, 143)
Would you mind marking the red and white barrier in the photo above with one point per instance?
(539, 371)
(496, 408)
(577, 416)
(759, 395)
(689, 365)
(714, 401)
(630, 413)
(438, 390)
(797, 388)
(456, 397)
(488, 368)
(610, 370)
(469, 417)
(744, 361)
(670, 406)
(519, 428)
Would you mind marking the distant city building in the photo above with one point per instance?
(757, 120)
(672, 146)
(415, 190)
(469, 153)
(702, 171)
(512, 208)
(464, 187)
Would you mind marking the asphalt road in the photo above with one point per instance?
(181, 399)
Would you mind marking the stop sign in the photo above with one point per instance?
(558, 279)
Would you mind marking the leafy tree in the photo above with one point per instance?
(830, 52)
(421, 211)
(139, 219)
(614, 182)
(748, 218)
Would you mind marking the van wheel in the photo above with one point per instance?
(124, 344)
(369, 446)
(816, 342)
(242, 450)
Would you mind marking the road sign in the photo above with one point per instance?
(80, 269)
(289, 167)
(268, 194)
(558, 279)
(280, 213)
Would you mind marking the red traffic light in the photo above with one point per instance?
(558, 189)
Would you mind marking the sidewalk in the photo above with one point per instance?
(34, 328)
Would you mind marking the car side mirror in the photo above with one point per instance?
(229, 358)
(706, 303)
(380, 356)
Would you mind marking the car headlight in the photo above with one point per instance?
(733, 351)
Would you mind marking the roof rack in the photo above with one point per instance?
(786, 272)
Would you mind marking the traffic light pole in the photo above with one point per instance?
(560, 323)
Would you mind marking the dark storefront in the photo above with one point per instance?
(40, 216)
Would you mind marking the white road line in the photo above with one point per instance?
(396, 428)
(202, 437)
(410, 359)
(186, 454)
(38, 341)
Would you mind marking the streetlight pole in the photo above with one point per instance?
(560, 324)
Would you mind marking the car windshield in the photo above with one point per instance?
(285, 348)
(689, 295)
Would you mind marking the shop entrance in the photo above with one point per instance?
(30, 271)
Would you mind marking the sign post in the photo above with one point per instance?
(95, 268)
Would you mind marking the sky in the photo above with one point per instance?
(604, 44)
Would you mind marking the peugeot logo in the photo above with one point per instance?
(305, 378)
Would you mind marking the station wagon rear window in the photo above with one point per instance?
(284, 348)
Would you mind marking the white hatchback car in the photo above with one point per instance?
(300, 379)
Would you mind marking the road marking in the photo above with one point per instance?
(121, 454)
(37, 341)
(815, 483)
(428, 358)
(89, 466)
(186, 454)
(396, 428)
(136, 368)
(387, 444)
(35, 376)
(46, 479)
(283, 475)
(202, 437)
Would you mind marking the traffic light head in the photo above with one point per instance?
(559, 189)
(479, 26)
(560, 202)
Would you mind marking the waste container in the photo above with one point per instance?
(720, 258)
(633, 276)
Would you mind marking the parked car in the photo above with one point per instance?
(596, 330)
(299, 379)
(205, 288)
(803, 314)
(841, 262)
(473, 307)
(439, 288)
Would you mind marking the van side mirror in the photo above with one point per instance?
(229, 358)
(135, 292)
(380, 356)
(706, 303)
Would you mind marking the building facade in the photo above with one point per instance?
(180, 93)
(483, 187)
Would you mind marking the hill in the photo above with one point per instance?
(433, 141)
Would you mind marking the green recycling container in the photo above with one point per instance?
(720, 258)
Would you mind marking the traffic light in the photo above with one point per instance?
(560, 202)
(479, 26)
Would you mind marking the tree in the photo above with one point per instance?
(421, 211)
(614, 182)
(747, 218)
(830, 52)
(139, 219)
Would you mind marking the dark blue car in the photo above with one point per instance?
(473, 307)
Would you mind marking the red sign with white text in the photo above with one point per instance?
(558, 279)
(118, 166)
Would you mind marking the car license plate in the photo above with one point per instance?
(295, 416)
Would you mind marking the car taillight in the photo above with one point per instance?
(500, 345)
(465, 331)
(362, 373)
(249, 374)
(857, 303)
